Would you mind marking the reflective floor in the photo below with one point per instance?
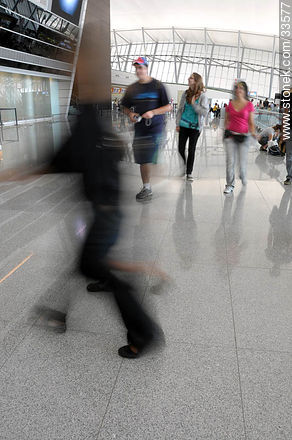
(225, 372)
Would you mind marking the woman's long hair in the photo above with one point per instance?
(244, 85)
(197, 90)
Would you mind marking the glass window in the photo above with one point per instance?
(221, 76)
(277, 60)
(227, 52)
(155, 69)
(30, 95)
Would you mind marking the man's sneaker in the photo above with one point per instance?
(288, 181)
(190, 178)
(228, 189)
(144, 194)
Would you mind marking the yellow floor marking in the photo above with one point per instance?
(15, 268)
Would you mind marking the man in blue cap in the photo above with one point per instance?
(146, 102)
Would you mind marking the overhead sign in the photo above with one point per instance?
(67, 9)
(118, 90)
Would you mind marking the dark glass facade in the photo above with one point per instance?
(28, 28)
(34, 68)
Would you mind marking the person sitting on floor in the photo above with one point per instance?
(268, 134)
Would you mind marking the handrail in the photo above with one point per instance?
(8, 108)
(266, 118)
(267, 112)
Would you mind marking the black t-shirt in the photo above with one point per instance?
(143, 97)
(266, 104)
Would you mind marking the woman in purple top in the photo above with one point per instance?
(239, 123)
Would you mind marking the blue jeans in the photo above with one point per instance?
(234, 149)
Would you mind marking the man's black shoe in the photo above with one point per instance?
(99, 286)
(126, 352)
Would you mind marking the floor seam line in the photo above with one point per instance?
(234, 328)
(265, 200)
(147, 287)
(109, 400)
(40, 217)
(18, 344)
(236, 352)
(27, 187)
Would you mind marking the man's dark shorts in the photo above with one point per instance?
(146, 148)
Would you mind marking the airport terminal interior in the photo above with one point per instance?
(209, 260)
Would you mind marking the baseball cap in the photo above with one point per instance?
(142, 61)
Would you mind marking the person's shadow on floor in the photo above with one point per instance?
(279, 240)
(184, 228)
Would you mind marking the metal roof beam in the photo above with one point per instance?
(118, 57)
(174, 55)
(210, 61)
(119, 35)
(150, 36)
(179, 36)
(273, 66)
(181, 58)
(153, 59)
(211, 39)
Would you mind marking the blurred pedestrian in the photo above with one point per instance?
(98, 160)
(94, 151)
(288, 146)
(146, 102)
(193, 108)
(239, 122)
(266, 103)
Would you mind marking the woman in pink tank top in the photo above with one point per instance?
(239, 123)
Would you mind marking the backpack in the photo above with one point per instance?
(273, 148)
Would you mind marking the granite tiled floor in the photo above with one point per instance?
(225, 371)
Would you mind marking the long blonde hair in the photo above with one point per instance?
(197, 90)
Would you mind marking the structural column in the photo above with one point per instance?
(93, 75)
